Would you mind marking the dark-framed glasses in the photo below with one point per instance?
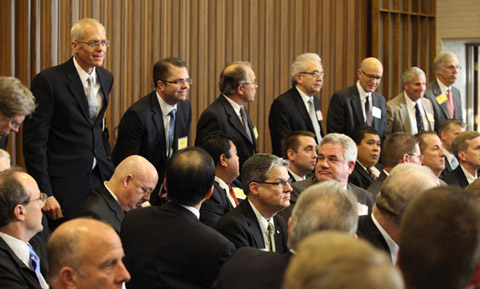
(282, 183)
(314, 73)
(179, 81)
(43, 197)
(95, 43)
(372, 76)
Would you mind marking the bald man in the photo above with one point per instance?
(85, 254)
(359, 104)
(132, 183)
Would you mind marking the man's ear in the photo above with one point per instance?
(253, 188)
(19, 212)
(291, 154)
(209, 194)
(351, 166)
(66, 277)
(404, 158)
(461, 156)
(127, 180)
(223, 160)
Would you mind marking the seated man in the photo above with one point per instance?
(300, 149)
(254, 223)
(84, 254)
(432, 151)
(131, 185)
(447, 133)
(367, 169)
(466, 147)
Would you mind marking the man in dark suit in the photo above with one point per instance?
(158, 124)
(446, 99)
(186, 253)
(447, 132)
(129, 187)
(466, 147)
(300, 149)
(382, 227)
(359, 104)
(227, 113)
(298, 108)
(325, 206)
(21, 206)
(255, 223)
(62, 141)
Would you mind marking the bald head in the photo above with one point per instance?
(238, 82)
(370, 74)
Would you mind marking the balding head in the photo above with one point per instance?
(370, 74)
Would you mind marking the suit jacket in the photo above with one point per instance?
(241, 226)
(440, 111)
(447, 169)
(3, 142)
(215, 207)
(186, 253)
(59, 142)
(368, 231)
(13, 272)
(360, 176)
(220, 116)
(375, 187)
(456, 178)
(345, 112)
(398, 117)
(101, 205)
(288, 114)
(267, 271)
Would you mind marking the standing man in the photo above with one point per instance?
(227, 113)
(447, 132)
(359, 104)
(300, 149)
(410, 111)
(298, 108)
(158, 124)
(446, 99)
(466, 147)
(62, 141)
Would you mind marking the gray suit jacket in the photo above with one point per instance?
(441, 110)
(398, 119)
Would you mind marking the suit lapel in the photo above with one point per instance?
(437, 91)
(112, 204)
(234, 120)
(404, 114)
(252, 223)
(157, 119)
(77, 89)
(101, 76)
(357, 106)
(302, 110)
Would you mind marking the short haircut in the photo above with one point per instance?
(395, 146)
(443, 57)
(189, 176)
(359, 133)
(216, 144)
(15, 98)
(349, 146)
(300, 64)
(292, 141)
(78, 29)
(449, 124)
(231, 78)
(412, 73)
(421, 136)
(257, 168)
(440, 239)
(335, 260)
(162, 68)
(460, 142)
(324, 206)
(396, 193)
(12, 193)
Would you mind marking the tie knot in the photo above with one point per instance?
(172, 112)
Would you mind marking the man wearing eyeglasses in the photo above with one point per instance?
(63, 141)
(158, 124)
(359, 104)
(129, 187)
(446, 99)
(298, 108)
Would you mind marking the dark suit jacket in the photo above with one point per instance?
(250, 268)
(456, 178)
(220, 116)
(3, 142)
(360, 177)
(345, 112)
(59, 142)
(375, 187)
(288, 114)
(440, 111)
(241, 226)
(101, 205)
(447, 169)
(215, 207)
(186, 253)
(13, 272)
(368, 231)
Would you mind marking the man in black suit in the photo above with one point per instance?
(227, 113)
(466, 147)
(255, 223)
(382, 227)
(300, 149)
(325, 206)
(447, 132)
(446, 99)
(21, 206)
(299, 107)
(359, 104)
(129, 187)
(186, 253)
(158, 124)
(62, 141)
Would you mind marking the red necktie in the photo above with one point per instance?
(232, 193)
(370, 172)
(451, 107)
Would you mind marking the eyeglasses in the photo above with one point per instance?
(314, 73)
(371, 76)
(420, 157)
(145, 190)
(255, 83)
(42, 197)
(282, 183)
(179, 81)
(15, 125)
(95, 43)
(452, 67)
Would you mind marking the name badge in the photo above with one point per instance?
(430, 117)
(255, 132)
(376, 112)
(182, 142)
(319, 115)
(441, 98)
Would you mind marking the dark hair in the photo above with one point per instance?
(359, 133)
(12, 193)
(292, 141)
(161, 69)
(421, 139)
(395, 146)
(232, 76)
(449, 123)
(216, 144)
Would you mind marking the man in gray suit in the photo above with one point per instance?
(410, 111)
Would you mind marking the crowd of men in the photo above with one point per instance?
(158, 212)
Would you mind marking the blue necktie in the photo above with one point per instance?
(171, 130)
(35, 263)
(419, 118)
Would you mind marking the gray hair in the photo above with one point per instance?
(258, 167)
(232, 76)
(411, 73)
(321, 207)
(78, 29)
(349, 146)
(443, 57)
(299, 65)
(15, 98)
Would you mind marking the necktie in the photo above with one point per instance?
(368, 114)
(454, 163)
(171, 131)
(451, 107)
(419, 119)
(92, 100)
(271, 236)
(314, 119)
(370, 172)
(232, 193)
(245, 122)
(35, 263)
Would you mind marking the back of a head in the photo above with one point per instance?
(440, 239)
(12, 193)
(333, 260)
(232, 76)
(395, 146)
(15, 98)
(216, 144)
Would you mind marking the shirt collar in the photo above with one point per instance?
(468, 175)
(193, 210)
(304, 96)
(111, 193)
(363, 93)
(19, 247)
(165, 107)
(442, 86)
(261, 220)
(83, 74)
(235, 105)
(297, 177)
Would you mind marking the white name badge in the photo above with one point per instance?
(376, 112)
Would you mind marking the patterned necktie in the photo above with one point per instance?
(451, 107)
(171, 131)
(368, 114)
(419, 118)
(35, 263)
(271, 236)
(92, 99)
(314, 119)
(245, 122)
(370, 172)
